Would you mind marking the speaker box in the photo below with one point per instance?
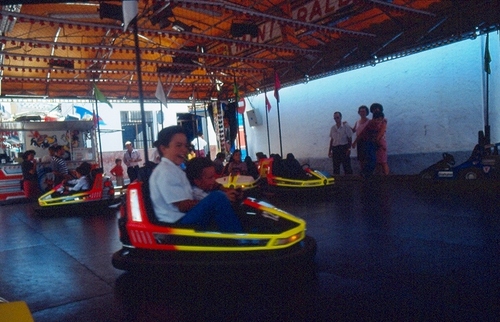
(253, 118)
(241, 29)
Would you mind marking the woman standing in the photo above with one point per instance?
(382, 165)
(371, 135)
(358, 128)
(30, 177)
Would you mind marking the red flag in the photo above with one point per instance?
(268, 105)
(277, 86)
(94, 118)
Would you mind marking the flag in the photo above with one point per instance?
(487, 57)
(86, 114)
(268, 104)
(160, 93)
(241, 106)
(94, 118)
(100, 96)
(130, 11)
(277, 86)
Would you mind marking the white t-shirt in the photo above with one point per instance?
(168, 184)
(81, 183)
(199, 143)
(340, 135)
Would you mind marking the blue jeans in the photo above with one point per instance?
(371, 159)
(217, 208)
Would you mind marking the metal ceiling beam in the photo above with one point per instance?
(225, 5)
(7, 2)
(77, 81)
(119, 29)
(93, 61)
(160, 51)
(402, 8)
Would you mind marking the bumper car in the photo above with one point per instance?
(483, 163)
(238, 181)
(100, 194)
(272, 240)
(288, 173)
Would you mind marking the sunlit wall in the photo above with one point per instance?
(433, 101)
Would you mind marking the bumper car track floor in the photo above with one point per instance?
(388, 249)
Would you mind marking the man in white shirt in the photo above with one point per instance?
(339, 148)
(131, 158)
(199, 145)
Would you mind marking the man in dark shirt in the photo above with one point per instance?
(59, 166)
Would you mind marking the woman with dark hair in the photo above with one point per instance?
(359, 126)
(371, 136)
(236, 165)
(30, 177)
(382, 166)
(251, 167)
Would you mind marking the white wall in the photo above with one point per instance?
(111, 116)
(433, 102)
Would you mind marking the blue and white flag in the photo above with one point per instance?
(86, 114)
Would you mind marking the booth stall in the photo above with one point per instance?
(77, 138)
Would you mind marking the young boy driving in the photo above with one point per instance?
(172, 194)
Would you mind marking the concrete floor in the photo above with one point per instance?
(388, 250)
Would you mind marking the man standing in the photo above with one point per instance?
(59, 166)
(340, 145)
(131, 158)
(199, 145)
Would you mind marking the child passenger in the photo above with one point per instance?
(82, 181)
(201, 174)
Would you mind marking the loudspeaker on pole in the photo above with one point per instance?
(253, 118)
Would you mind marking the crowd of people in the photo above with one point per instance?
(184, 190)
(71, 180)
(370, 142)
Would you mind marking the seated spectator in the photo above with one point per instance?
(251, 167)
(278, 166)
(172, 194)
(260, 156)
(219, 163)
(292, 168)
(236, 165)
